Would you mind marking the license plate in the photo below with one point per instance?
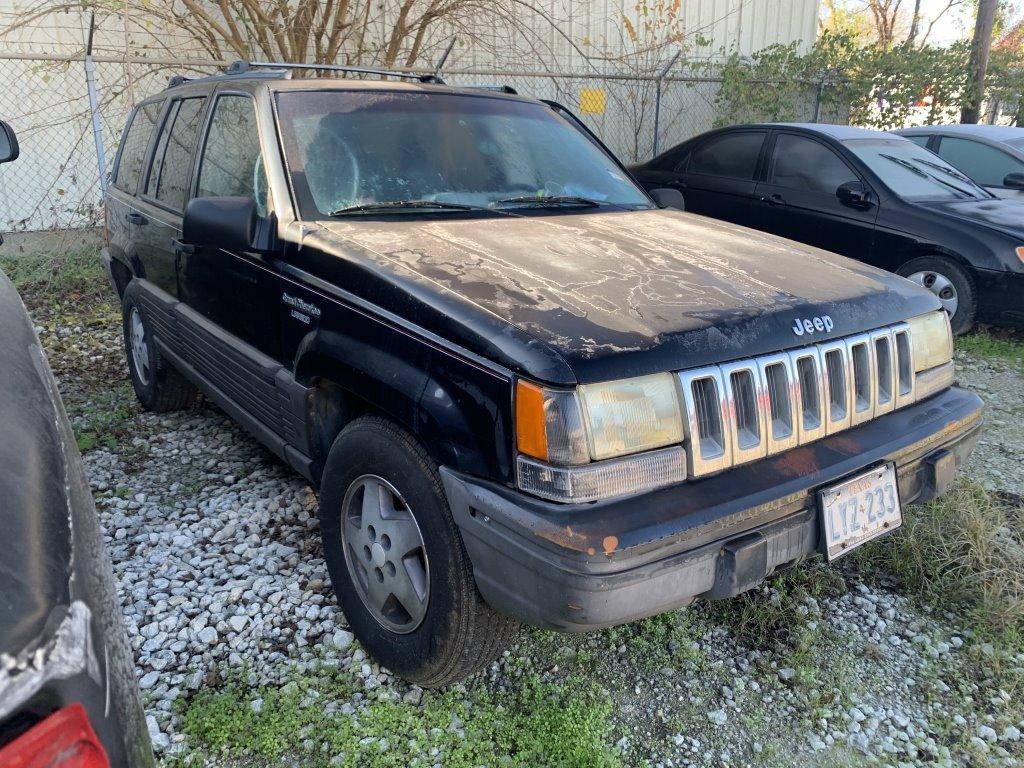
(860, 509)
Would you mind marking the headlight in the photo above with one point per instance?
(631, 415)
(932, 340)
(598, 441)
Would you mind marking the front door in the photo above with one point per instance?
(798, 200)
(238, 291)
(162, 193)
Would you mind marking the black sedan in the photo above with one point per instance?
(873, 196)
(68, 696)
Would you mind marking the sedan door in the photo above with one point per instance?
(718, 176)
(987, 165)
(801, 198)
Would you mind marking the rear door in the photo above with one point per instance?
(985, 164)
(798, 200)
(237, 291)
(123, 220)
(719, 176)
(163, 194)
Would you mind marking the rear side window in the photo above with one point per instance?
(136, 140)
(805, 164)
(987, 165)
(169, 177)
(231, 164)
(733, 156)
(921, 141)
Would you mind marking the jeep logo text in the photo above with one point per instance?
(812, 325)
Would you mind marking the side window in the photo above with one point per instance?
(806, 164)
(136, 140)
(987, 165)
(733, 155)
(673, 160)
(921, 141)
(231, 164)
(169, 177)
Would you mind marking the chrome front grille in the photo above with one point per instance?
(748, 409)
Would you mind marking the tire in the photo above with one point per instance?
(457, 633)
(945, 278)
(158, 386)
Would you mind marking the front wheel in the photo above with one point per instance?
(397, 561)
(950, 283)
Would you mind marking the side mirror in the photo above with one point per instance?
(221, 222)
(9, 149)
(669, 198)
(854, 194)
(1014, 181)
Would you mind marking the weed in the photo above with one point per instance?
(994, 343)
(539, 723)
(965, 548)
(56, 274)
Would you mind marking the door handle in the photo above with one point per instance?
(775, 199)
(136, 218)
(181, 248)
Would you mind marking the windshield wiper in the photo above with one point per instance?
(925, 175)
(950, 172)
(386, 205)
(554, 201)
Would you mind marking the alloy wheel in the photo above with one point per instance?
(140, 346)
(385, 554)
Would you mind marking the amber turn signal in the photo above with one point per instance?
(531, 429)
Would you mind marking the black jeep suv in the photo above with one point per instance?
(524, 392)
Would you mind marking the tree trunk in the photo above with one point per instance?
(980, 47)
(915, 23)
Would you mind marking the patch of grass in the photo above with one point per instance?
(659, 641)
(106, 419)
(77, 270)
(964, 549)
(776, 613)
(538, 723)
(1000, 344)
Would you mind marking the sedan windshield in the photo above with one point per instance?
(913, 172)
(408, 153)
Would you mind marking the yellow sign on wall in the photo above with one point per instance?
(592, 101)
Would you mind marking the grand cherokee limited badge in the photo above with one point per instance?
(813, 325)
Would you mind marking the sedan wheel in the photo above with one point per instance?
(385, 554)
(941, 286)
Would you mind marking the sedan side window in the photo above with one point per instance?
(921, 141)
(986, 165)
(733, 155)
(806, 164)
(231, 164)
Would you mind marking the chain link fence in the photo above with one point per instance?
(55, 185)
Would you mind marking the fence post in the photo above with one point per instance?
(662, 74)
(817, 100)
(94, 108)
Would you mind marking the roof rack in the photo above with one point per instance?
(245, 66)
(496, 88)
(235, 69)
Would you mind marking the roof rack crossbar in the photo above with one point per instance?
(421, 77)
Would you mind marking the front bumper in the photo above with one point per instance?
(587, 566)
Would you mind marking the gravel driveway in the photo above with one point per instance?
(218, 559)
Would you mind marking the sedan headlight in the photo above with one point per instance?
(932, 340)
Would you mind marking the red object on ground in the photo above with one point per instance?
(63, 740)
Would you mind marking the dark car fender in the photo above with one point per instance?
(459, 410)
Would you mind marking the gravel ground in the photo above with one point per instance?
(221, 575)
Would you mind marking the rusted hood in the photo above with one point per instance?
(626, 293)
